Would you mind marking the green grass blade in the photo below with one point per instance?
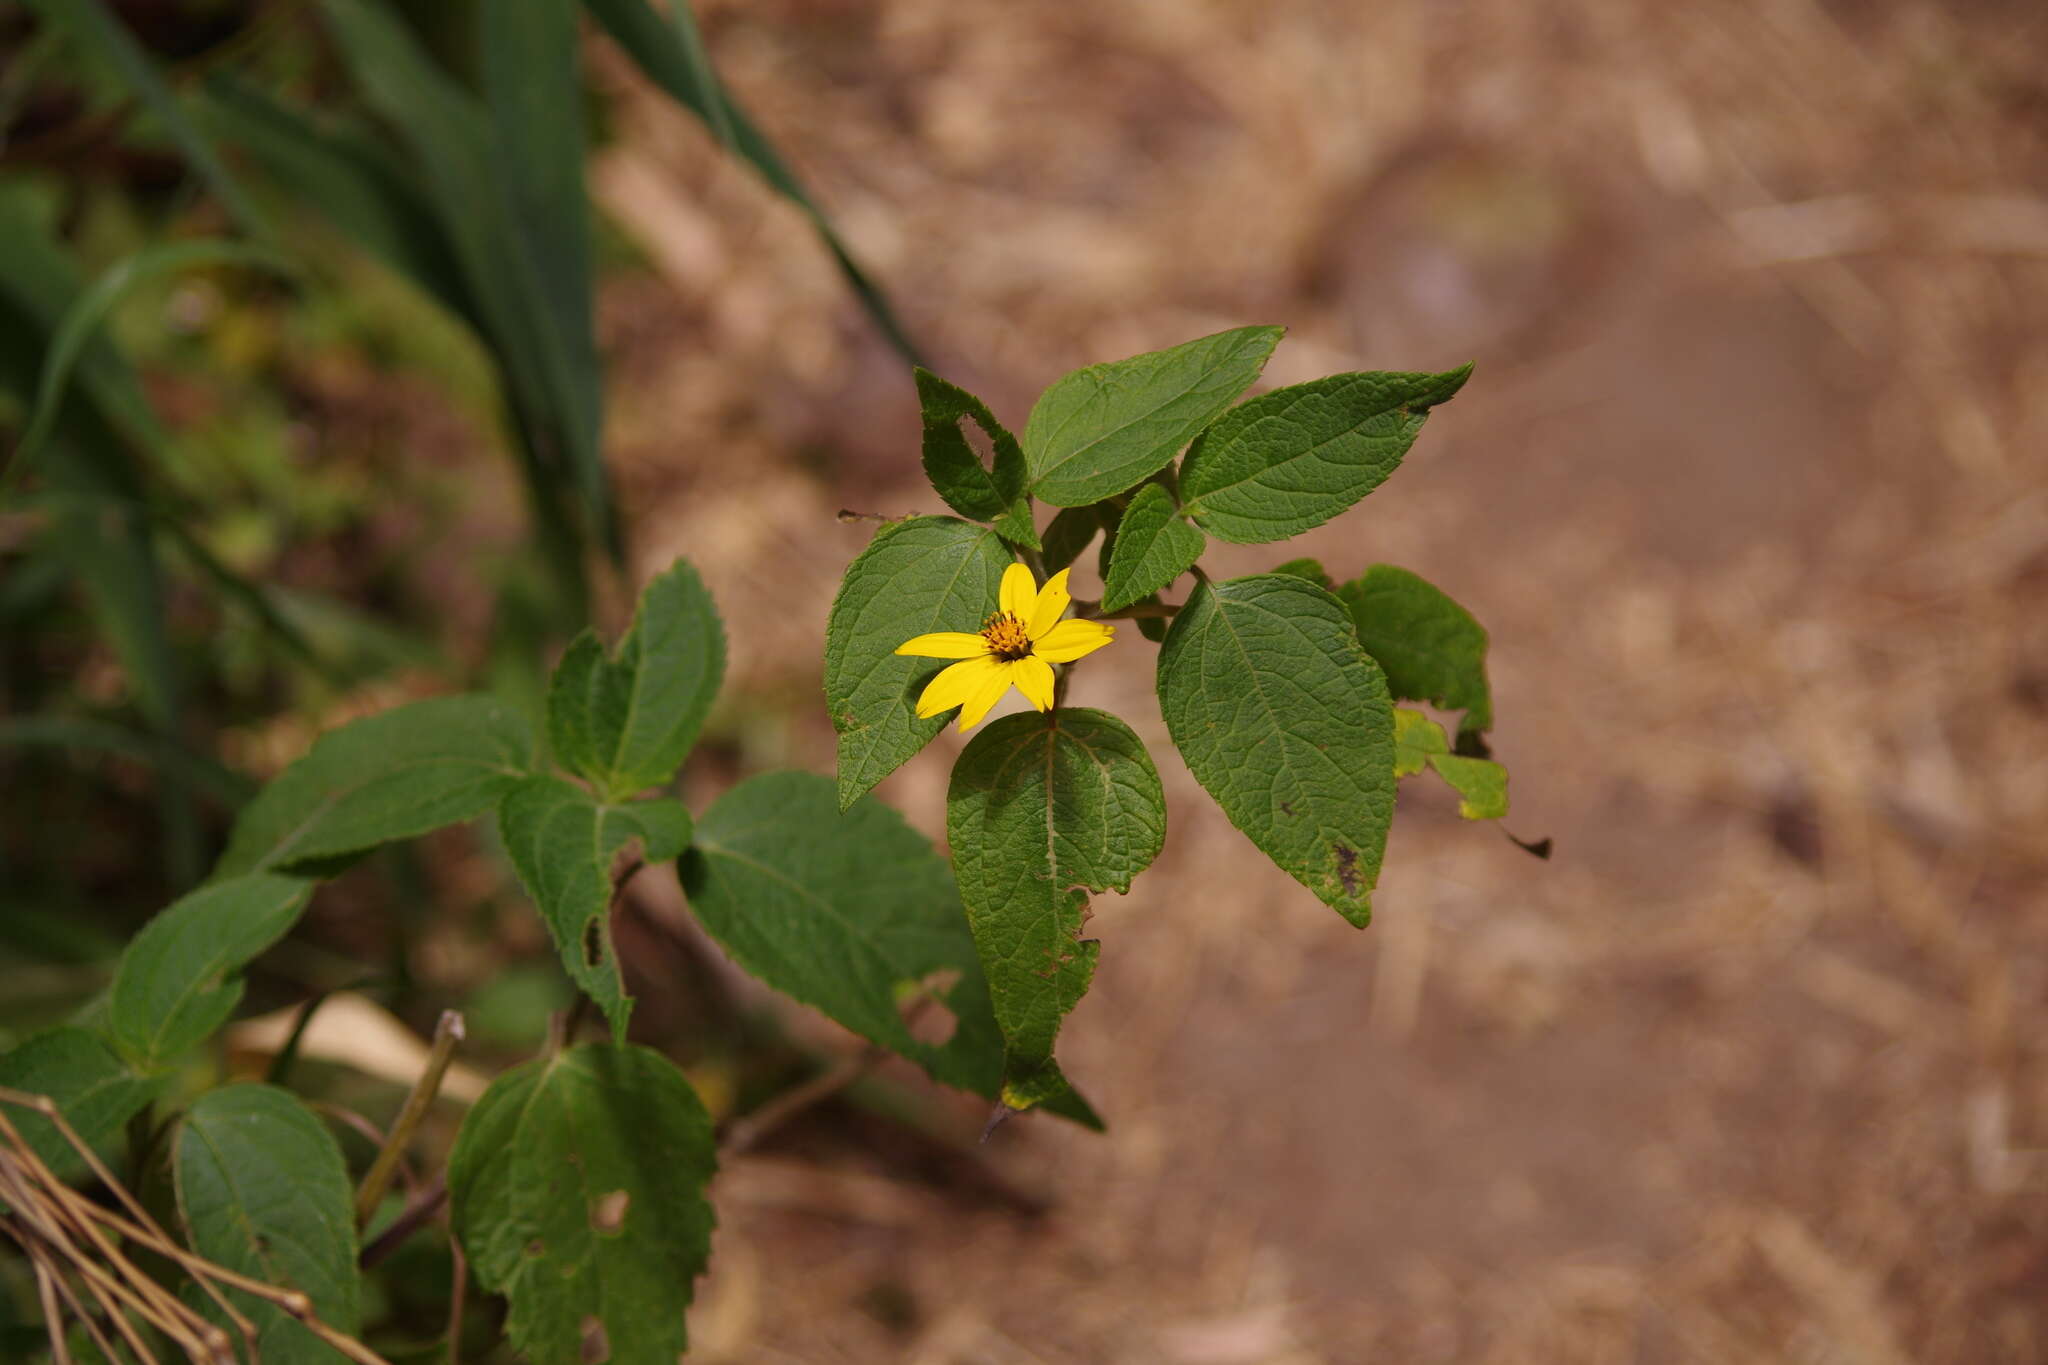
(346, 175)
(81, 322)
(92, 25)
(533, 92)
(452, 137)
(672, 54)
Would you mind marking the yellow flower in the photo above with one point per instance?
(1017, 646)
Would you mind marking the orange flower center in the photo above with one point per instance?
(1006, 636)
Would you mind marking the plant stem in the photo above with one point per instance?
(448, 1032)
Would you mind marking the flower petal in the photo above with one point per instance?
(1069, 640)
(945, 644)
(1019, 588)
(958, 683)
(1034, 679)
(987, 693)
(1050, 606)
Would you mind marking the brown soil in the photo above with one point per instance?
(1749, 487)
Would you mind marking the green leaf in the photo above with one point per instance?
(1293, 458)
(82, 321)
(262, 1190)
(1287, 722)
(577, 1188)
(1431, 648)
(1310, 569)
(628, 722)
(663, 826)
(92, 24)
(390, 776)
(181, 976)
(672, 54)
(916, 576)
(564, 843)
(1481, 784)
(1044, 808)
(94, 1088)
(1153, 546)
(853, 914)
(955, 470)
(1103, 429)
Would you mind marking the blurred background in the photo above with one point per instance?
(1749, 487)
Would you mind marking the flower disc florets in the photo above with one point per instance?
(1007, 637)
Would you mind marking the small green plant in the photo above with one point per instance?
(1278, 689)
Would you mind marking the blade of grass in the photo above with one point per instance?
(346, 175)
(671, 53)
(452, 137)
(533, 91)
(93, 26)
(81, 323)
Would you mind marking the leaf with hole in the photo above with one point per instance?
(577, 1188)
(1287, 722)
(1291, 459)
(262, 1190)
(1103, 429)
(917, 576)
(627, 722)
(564, 844)
(993, 493)
(1043, 809)
(394, 775)
(1431, 648)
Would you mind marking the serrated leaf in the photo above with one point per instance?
(1431, 648)
(629, 721)
(180, 977)
(577, 1188)
(394, 775)
(563, 843)
(1481, 784)
(1287, 722)
(96, 1090)
(955, 470)
(1291, 459)
(853, 914)
(916, 576)
(262, 1190)
(1069, 533)
(1103, 429)
(1042, 809)
(1153, 546)
(1310, 569)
